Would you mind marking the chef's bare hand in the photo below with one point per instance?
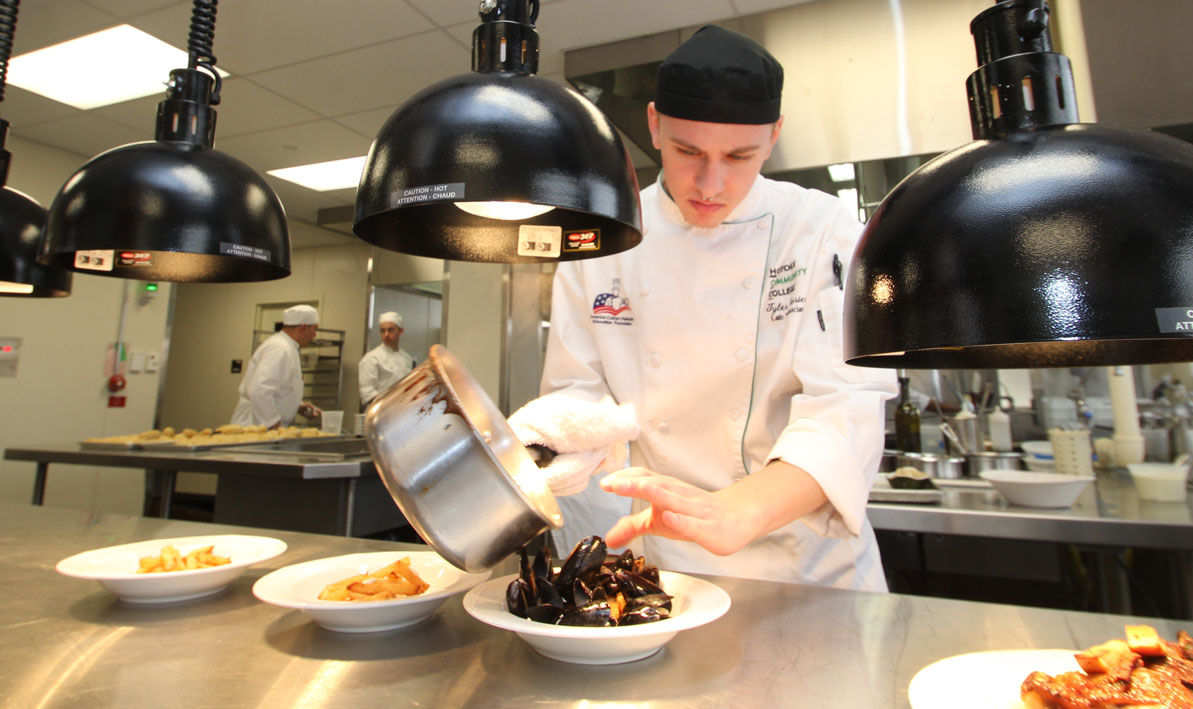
(308, 410)
(679, 511)
(723, 521)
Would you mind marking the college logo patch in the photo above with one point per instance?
(612, 308)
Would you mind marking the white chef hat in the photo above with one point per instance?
(392, 317)
(300, 315)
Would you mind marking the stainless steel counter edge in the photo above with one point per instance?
(214, 461)
(67, 642)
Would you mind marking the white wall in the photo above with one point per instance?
(59, 392)
(213, 325)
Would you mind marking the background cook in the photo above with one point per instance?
(271, 390)
(722, 331)
(385, 364)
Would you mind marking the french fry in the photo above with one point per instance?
(171, 560)
(396, 580)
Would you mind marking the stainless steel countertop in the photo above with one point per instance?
(1107, 513)
(68, 642)
(260, 462)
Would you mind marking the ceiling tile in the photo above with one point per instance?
(301, 144)
(301, 203)
(367, 123)
(129, 8)
(449, 13)
(46, 22)
(369, 77)
(750, 7)
(265, 34)
(244, 108)
(82, 134)
(24, 108)
(572, 24)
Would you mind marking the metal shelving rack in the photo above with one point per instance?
(322, 367)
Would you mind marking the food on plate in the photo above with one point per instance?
(397, 580)
(1144, 670)
(171, 560)
(908, 478)
(590, 589)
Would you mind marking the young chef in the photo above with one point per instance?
(271, 391)
(757, 443)
(385, 364)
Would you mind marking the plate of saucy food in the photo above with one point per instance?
(1140, 670)
(175, 569)
(595, 609)
(367, 592)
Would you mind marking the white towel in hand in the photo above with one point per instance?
(583, 434)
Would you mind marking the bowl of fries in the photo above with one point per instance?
(367, 592)
(175, 569)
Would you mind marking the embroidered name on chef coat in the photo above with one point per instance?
(781, 298)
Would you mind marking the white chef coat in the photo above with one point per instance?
(271, 390)
(728, 342)
(381, 368)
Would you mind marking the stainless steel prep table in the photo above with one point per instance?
(1107, 518)
(277, 487)
(68, 642)
(1109, 512)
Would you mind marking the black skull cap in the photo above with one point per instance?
(720, 76)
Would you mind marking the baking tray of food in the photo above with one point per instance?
(248, 445)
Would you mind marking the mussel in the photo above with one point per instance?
(591, 589)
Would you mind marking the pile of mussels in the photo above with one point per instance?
(590, 589)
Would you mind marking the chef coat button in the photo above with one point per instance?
(656, 359)
(645, 289)
(748, 283)
(761, 224)
(735, 414)
(664, 427)
(743, 354)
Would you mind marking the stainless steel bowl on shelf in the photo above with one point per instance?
(978, 463)
(937, 466)
(455, 467)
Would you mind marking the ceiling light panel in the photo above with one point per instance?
(324, 176)
(99, 69)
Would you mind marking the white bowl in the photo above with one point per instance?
(1159, 482)
(298, 586)
(695, 602)
(116, 567)
(1031, 489)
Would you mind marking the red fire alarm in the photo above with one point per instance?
(116, 382)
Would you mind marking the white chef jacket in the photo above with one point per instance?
(727, 340)
(272, 386)
(381, 368)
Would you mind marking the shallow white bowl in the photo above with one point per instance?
(1031, 489)
(298, 586)
(1159, 482)
(695, 603)
(116, 567)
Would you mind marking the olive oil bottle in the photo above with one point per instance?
(907, 418)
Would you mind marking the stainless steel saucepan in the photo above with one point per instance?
(454, 466)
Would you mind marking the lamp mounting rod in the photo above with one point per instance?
(506, 40)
